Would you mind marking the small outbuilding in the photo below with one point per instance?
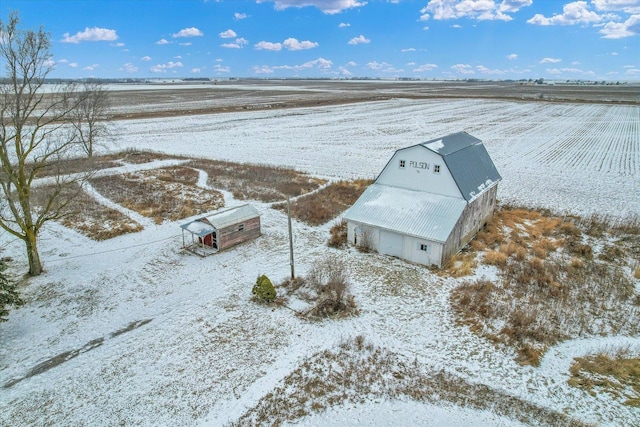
(221, 230)
(428, 202)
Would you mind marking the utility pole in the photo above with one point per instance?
(293, 274)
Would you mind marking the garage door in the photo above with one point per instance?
(390, 243)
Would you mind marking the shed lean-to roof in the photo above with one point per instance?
(416, 213)
(468, 162)
(219, 220)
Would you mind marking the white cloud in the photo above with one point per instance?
(550, 60)
(238, 44)
(572, 13)
(463, 68)
(330, 7)
(240, 16)
(188, 32)
(425, 67)
(512, 57)
(91, 67)
(129, 68)
(162, 41)
(262, 70)
(196, 70)
(294, 44)
(575, 63)
(185, 44)
(118, 44)
(94, 34)
(375, 65)
(344, 25)
(220, 69)
(514, 5)
(484, 70)
(229, 34)
(344, 72)
(409, 49)
(73, 64)
(351, 64)
(474, 9)
(320, 64)
(62, 61)
(619, 30)
(146, 58)
(359, 40)
(456, 26)
(628, 6)
(268, 46)
(162, 68)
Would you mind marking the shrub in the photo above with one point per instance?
(329, 278)
(264, 290)
(338, 237)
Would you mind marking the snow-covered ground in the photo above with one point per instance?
(199, 352)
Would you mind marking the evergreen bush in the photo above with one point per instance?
(264, 290)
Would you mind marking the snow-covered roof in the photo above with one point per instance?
(232, 216)
(198, 227)
(416, 213)
(468, 162)
(219, 220)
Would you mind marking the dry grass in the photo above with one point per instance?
(460, 265)
(161, 194)
(357, 372)
(552, 283)
(81, 212)
(95, 163)
(636, 273)
(338, 233)
(257, 182)
(617, 374)
(326, 204)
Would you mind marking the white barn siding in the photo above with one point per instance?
(418, 173)
(402, 246)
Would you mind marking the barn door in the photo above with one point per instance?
(391, 243)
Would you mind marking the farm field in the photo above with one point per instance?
(153, 336)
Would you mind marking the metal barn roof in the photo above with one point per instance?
(219, 220)
(423, 215)
(468, 161)
(232, 216)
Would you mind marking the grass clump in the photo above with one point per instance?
(324, 205)
(356, 372)
(617, 374)
(257, 182)
(161, 194)
(551, 282)
(338, 233)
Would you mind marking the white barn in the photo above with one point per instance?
(428, 202)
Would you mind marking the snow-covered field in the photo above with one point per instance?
(154, 336)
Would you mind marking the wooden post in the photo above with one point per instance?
(293, 274)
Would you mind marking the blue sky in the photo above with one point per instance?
(432, 39)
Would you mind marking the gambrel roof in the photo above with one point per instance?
(468, 162)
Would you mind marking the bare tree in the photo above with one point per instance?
(90, 116)
(36, 134)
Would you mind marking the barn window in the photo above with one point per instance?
(402, 164)
(436, 168)
(241, 227)
(424, 247)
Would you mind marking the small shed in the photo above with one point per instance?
(221, 230)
